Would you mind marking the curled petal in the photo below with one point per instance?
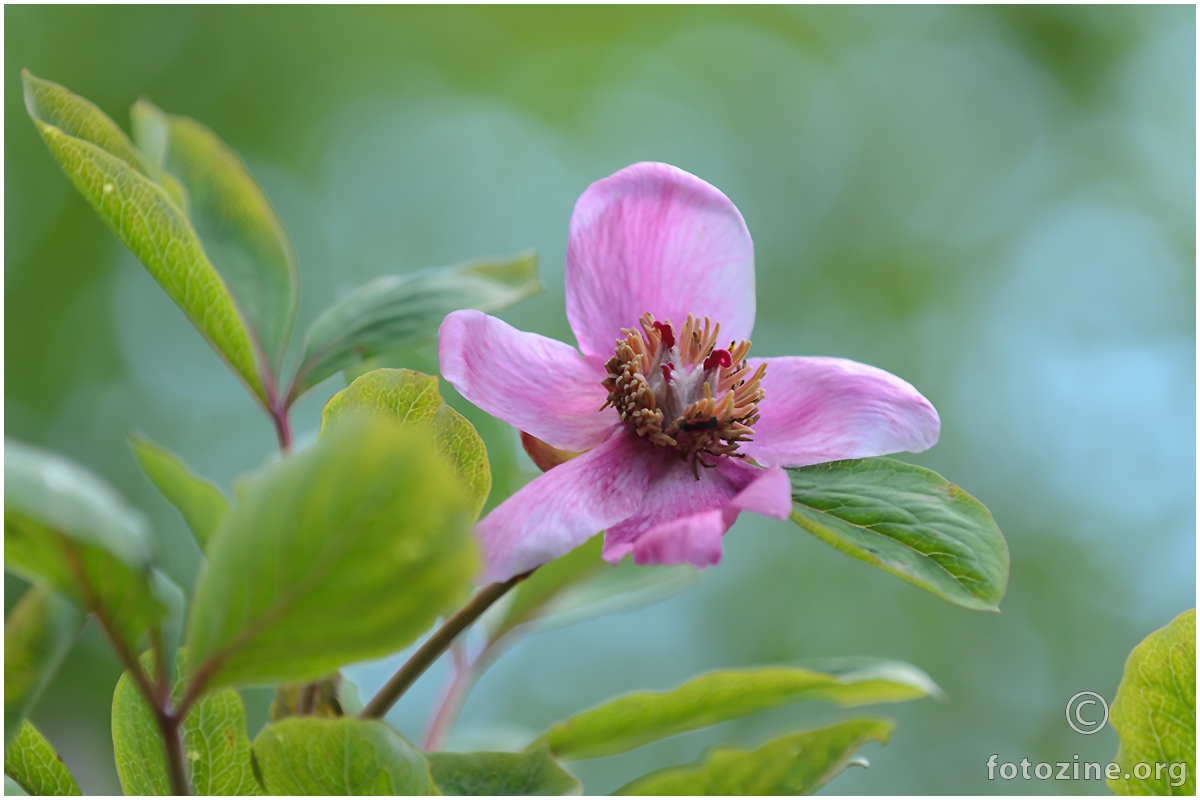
(684, 519)
(655, 238)
(561, 509)
(543, 455)
(827, 409)
(536, 384)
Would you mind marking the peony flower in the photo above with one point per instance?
(682, 429)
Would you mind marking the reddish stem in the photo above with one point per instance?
(156, 697)
(450, 703)
(283, 429)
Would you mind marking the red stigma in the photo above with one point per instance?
(721, 357)
(668, 335)
(668, 372)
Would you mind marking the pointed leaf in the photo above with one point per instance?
(1154, 713)
(800, 763)
(115, 179)
(215, 741)
(490, 774)
(908, 521)
(615, 589)
(638, 719)
(402, 311)
(37, 769)
(171, 596)
(409, 397)
(346, 551)
(38, 632)
(534, 593)
(582, 585)
(314, 756)
(54, 106)
(201, 504)
(64, 525)
(242, 235)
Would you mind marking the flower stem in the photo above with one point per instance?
(451, 700)
(283, 429)
(306, 699)
(429, 652)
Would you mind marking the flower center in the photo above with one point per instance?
(685, 393)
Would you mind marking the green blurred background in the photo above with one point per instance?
(997, 204)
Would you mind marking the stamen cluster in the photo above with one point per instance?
(685, 393)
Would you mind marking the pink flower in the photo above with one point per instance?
(682, 431)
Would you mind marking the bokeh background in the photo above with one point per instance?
(997, 204)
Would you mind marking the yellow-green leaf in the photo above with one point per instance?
(412, 398)
(638, 719)
(114, 178)
(37, 769)
(345, 551)
(1154, 713)
(800, 763)
(38, 632)
(343, 756)
(215, 742)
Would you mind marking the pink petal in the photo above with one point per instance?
(536, 384)
(827, 409)
(683, 519)
(562, 508)
(655, 238)
(694, 540)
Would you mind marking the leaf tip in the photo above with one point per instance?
(27, 81)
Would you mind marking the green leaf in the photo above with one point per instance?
(37, 769)
(403, 311)
(800, 763)
(537, 591)
(170, 595)
(201, 503)
(116, 180)
(638, 719)
(67, 527)
(409, 397)
(581, 585)
(343, 756)
(489, 774)
(1154, 713)
(242, 235)
(215, 742)
(615, 588)
(346, 551)
(13, 789)
(38, 632)
(908, 521)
